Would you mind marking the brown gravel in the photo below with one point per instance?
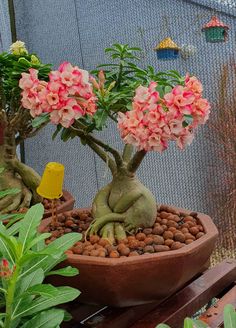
(171, 231)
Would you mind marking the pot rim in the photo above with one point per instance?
(211, 232)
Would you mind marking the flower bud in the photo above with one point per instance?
(5, 270)
(34, 60)
(101, 78)
(18, 48)
(94, 82)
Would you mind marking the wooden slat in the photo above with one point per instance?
(79, 313)
(214, 315)
(190, 299)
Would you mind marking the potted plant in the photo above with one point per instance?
(25, 261)
(16, 125)
(150, 109)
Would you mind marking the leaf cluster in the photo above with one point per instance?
(25, 301)
(11, 68)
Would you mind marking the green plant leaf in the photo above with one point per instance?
(2, 169)
(188, 323)
(45, 290)
(58, 129)
(30, 280)
(199, 324)
(46, 319)
(66, 272)
(29, 226)
(229, 316)
(11, 191)
(39, 120)
(8, 247)
(162, 325)
(36, 240)
(64, 295)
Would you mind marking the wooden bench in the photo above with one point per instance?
(219, 282)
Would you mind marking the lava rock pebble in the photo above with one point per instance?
(172, 230)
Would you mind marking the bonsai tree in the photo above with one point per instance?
(150, 110)
(17, 124)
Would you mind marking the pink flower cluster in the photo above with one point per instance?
(67, 96)
(154, 121)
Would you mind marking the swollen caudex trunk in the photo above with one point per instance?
(124, 205)
(14, 174)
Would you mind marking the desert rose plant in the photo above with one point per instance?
(16, 124)
(25, 260)
(150, 109)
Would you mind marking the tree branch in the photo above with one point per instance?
(114, 152)
(127, 152)
(136, 161)
(95, 147)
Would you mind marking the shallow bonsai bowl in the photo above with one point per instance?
(140, 279)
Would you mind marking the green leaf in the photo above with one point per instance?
(30, 280)
(66, 272)
(52, 254)
(199, 324)
(2, 169)
(58, 129)
(30, 223)
(39, 120)
(7, 192)
(188, 323)
(14, 229)
(36, 240)
(64, 295)
(229, 316)
(14, 219)
(162, 325)
(8, 248)
(46, 319)
(45, 290)
(167, 89)
(188, 120)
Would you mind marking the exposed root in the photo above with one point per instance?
(30, 178)
(14, 204)
(100, 204)
(120, 233)
(108, 218)
(5, 202)
(27, 197)
(107, 232)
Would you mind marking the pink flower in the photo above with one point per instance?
(153, 121)
(67, 96)
(29, 80)
(193, 84)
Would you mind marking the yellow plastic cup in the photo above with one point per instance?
(52, 181)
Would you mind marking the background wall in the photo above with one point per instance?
(78, 31)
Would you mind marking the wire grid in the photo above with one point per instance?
(78, 32)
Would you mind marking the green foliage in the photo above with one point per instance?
(25, 301)
(229, 316)
(11, 68)
(229, 320)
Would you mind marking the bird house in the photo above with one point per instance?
(167, 49)
(215, 30)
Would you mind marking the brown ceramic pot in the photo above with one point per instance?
(67, 205)
(140, 279)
